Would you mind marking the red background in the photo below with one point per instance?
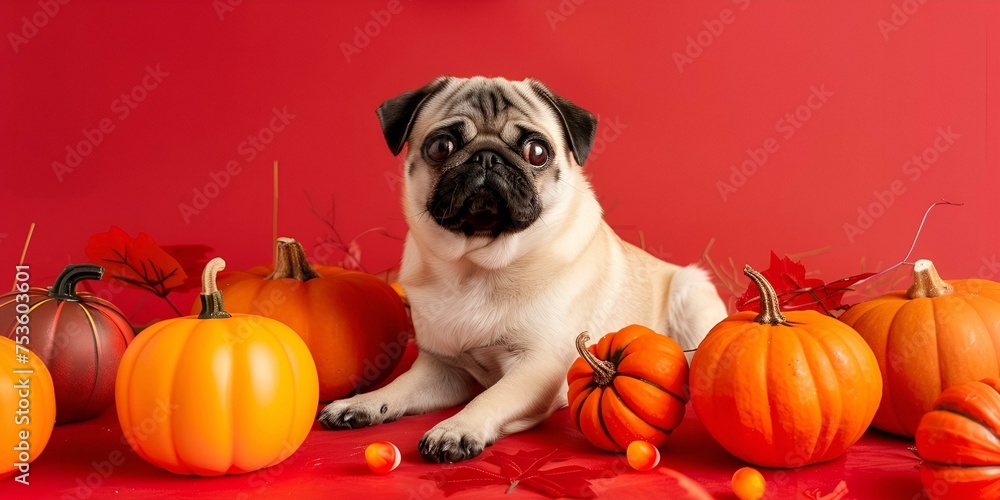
(656, 175)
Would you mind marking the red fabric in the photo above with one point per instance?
(331, 464)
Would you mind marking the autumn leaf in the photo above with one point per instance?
(192, 259)
(523, 469)
(796, 292)
(138, 261)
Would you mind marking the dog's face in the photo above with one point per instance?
(485, 155)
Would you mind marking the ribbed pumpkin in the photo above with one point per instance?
(37, 419)
(784, 390)
(80, 337)
(354, 324)
(218, 393)
(931, 337)
(630, 386)
(959, 441)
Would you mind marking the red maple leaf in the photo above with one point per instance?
(523, 469)
(138, 261)
(192, 259)
(796, 292)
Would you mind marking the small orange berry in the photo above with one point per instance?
(748, 484)
(382, 457)
(642, 455)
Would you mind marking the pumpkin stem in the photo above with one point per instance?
(290, 262)
(604, 371)
(927, 282)
(770, 312)
(65, 286)
(211, 297)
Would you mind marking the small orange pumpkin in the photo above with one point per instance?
(33, 412)
(933, 336)
(784, 390)
(354, 324)
(959, 441)
(218, 393)
(630, 386)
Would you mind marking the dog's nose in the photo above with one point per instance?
(487, 158)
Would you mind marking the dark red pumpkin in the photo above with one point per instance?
(79, 337)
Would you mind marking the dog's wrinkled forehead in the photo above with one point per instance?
(488, 106)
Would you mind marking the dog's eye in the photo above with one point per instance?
(440, 147)
(535, 153)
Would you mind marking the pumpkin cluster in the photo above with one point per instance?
(354, 324)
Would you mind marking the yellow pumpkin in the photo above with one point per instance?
(27, 414)
(217, 393)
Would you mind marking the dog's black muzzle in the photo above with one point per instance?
(488, 194)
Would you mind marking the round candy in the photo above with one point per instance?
(642, 455)
(748, 484)
(382, 457)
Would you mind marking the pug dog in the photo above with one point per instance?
(507, 260)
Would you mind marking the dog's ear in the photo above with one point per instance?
(579, 124)
(398, 114)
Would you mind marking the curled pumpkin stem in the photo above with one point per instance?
(770, 312)
(927, 282)
(290, 262)
(604, 371)
(211, 297)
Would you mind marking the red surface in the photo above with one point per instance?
(331, 464)
(666, 138)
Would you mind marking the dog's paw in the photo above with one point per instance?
(447, 443)
(353, 414)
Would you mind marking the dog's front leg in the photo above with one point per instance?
(427, 386)
(523, 397)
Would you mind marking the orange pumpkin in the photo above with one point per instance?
(784, 390)
(630, 386)
(354, 324)
(959, 441)
(32, 412)
(218, 393)
(931, 337)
